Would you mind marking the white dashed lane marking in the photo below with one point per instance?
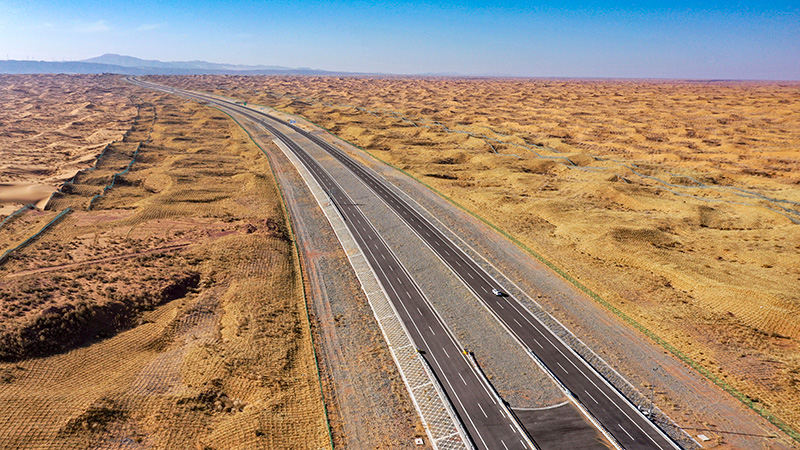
(626, 432)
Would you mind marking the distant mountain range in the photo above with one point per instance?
(128, 65)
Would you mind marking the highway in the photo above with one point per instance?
(486, 422)
(483, 418)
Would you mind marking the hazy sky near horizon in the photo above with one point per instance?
(678, 39)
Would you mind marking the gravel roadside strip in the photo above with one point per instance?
(694, 402)
(520, 381)
(368, 403)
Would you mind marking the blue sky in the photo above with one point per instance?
(680, 39)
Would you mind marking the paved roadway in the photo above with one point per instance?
(486, 422)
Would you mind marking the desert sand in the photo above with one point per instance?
(53, 125)
(171, 314)
(677, 202)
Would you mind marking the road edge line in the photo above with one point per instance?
(697, 367)
(506, 407)
(409, 389)
(606, 433)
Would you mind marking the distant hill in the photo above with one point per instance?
(129, 65)
(130, 61)
(12, 66)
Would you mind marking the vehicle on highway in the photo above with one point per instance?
(498, 292)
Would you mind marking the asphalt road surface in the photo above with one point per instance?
(485, 421)
(560, 427)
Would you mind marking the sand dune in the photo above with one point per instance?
(678, 202)
(172, 314)
(51, 126)
(36, 194)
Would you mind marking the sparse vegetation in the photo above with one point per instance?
(50, 125)
(172, 312)
(675, 202)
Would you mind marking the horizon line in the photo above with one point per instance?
(375, 74)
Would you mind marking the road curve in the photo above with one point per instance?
(486, 422)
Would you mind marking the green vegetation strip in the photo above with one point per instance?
(94, 166)
(742, 397)
(16, 213)
(79, 172)
(114, 178)
(302, 281)
(8, 252)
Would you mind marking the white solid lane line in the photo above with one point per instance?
(537, 344)
(435, 361)
(524, 317)
(587, 377)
